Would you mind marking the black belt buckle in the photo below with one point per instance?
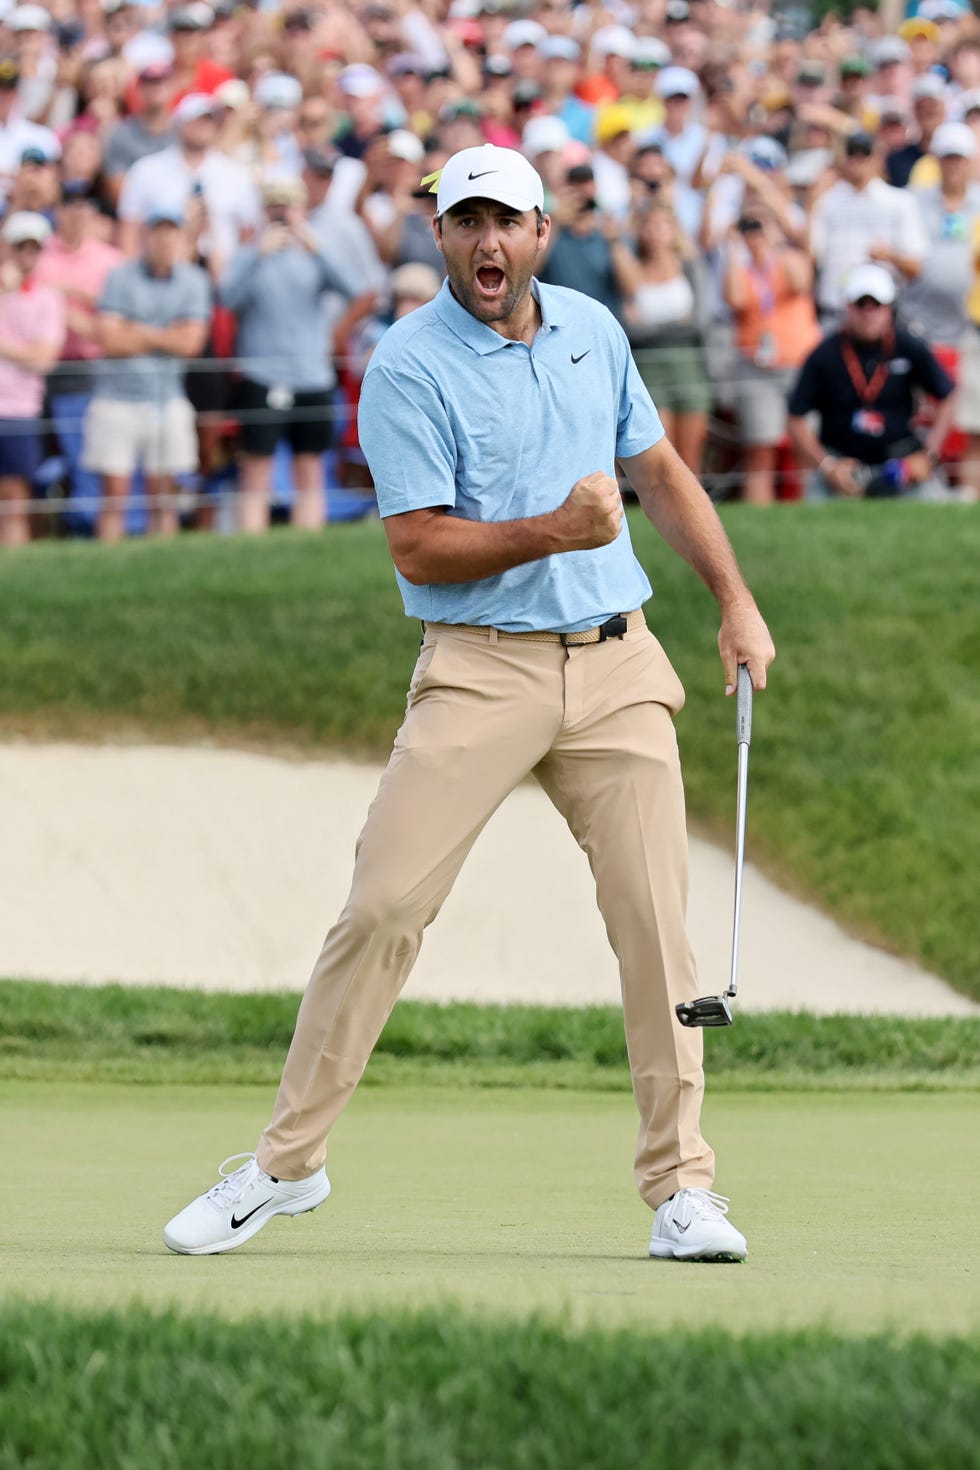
(616, 627)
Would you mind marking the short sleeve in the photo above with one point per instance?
(196, 305)
(115, 297)
(638, 425)
(407, 438)
(929, 374)
(804, 395)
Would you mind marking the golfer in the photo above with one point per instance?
(492, 419)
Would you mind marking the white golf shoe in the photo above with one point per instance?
(691, 1226)
(234, 1210)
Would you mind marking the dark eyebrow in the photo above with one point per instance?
(476, 205)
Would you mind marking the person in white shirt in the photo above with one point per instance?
(859, 219)
(16, 133)
(192, 176)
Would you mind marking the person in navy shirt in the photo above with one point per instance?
(492, 419)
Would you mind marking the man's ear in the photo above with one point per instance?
(437, 231)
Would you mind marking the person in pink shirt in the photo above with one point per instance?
(32, 330)
(76, 261)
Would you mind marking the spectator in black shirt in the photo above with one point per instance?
(862, 383)
(929, 109)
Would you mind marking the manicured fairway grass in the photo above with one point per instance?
(504, 1203)
(865, 787)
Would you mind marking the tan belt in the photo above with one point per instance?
(613, 628)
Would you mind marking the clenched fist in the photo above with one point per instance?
(593, 513)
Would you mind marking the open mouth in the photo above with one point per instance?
(490, 280)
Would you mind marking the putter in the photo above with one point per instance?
(716, 1010)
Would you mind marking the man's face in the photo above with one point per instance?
(929, 113)
(858, 168)
(867, 319)
(153, 92)
(197, 133)
(490, 253)
(955, 171)
(163, 242)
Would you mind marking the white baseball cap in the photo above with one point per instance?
(360, 80)
(406, 146)
(193, 106)
(29, 18)
(614, 40)
(954, 140)
(930, 84)
(545, 134)
(490, 172)
(278, 91)
(870, 280)
(26, 225)
(676, 81)
(523, 33)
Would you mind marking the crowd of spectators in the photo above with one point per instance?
(211, 213)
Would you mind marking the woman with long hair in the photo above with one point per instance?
(665, 315)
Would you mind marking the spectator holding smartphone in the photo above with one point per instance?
(278, 290)
(769, 289)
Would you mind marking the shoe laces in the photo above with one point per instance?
(699, 1204)
(234, 1181)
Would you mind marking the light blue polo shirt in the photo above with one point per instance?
(452, 414)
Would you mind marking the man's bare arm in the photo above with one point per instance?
(674, 501)
(430, 546)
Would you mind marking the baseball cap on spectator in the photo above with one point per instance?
(968, 102)
(232, 94)
(854, 66)
(870, 280)
(806, 165)
(611, 122)
(193, 106)
(407, 64)
(811, 74)
(501, 174)
(545, 134)
(889, 51)
(677, 12)
(559, 48)
(650, 53)
(954, 140)
(29, 18)
(9, 73)
(930, 84)
(283, 189)
(26, 224)
(615, 40)
(940, 10)
(163, 214)
(198, 17)
(406, 146)
(360, 80)
(147, 47)
(37, 157)
(462, 107)
(919, 25)
(676, 81)
(298, 20)
(526, 93)
(155, 71)
(859, 144)
(277, 91)
(415, 279)
(893, 109)
(765, 152)
(523, 33)
(497, 66)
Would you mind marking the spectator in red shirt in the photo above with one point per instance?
(194, 71)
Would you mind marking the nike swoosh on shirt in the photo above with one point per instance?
(237, 1224)
(581, 355)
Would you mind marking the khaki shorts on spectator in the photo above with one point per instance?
(760, 401)
(159, 437)
(968, 402)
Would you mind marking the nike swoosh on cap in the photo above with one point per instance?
(484, 173)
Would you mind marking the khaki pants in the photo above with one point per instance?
(593, 724)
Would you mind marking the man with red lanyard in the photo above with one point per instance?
(862, 383)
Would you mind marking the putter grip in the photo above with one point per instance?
(744, 712)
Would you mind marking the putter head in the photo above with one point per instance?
(710, 1010)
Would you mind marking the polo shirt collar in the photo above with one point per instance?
(477, 334)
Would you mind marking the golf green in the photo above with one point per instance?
(859, 1208)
